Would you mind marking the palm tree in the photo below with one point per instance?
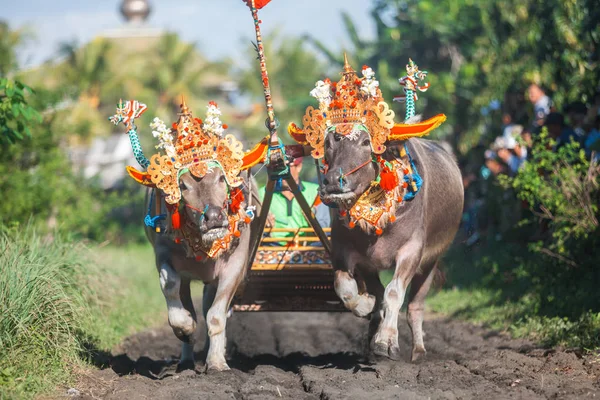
(87, 69)
(293, 71)
(10, 39)
(361, 51)
(178, 69)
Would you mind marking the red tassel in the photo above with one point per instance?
(237, 234)
(176, 219)
(378, 231)
(237, 197)
(389, 180)
(352, 224)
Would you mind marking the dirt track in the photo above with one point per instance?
(320, 356)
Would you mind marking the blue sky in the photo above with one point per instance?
(220, 27)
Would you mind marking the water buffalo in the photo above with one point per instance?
(203, 201)
(353, 131)
(200, 184)
(412, 245)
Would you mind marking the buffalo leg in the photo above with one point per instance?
(182, 316)
(385, 341)
(216, 317)
(187, 347)
(208, 297)
(374, 287)
(419, 288)
(347, 288)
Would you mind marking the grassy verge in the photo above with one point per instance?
(517, 317)
(499, 287)
(59, 298)
(129, 298)
(507, 288)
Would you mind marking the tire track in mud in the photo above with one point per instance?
(320, 356)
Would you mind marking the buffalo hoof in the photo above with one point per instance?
(217, 367)
(388, 351)
(418, 353)
(364, 306)
(185, 365)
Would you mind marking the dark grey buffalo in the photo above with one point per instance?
(222, 275)
(411, 246)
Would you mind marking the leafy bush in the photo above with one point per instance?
(15, 113)
(539, 278)
(562, 187)
(38, 179)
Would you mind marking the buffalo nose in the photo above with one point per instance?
(334, 181)
(213, 214)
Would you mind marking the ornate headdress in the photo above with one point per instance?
(350, 101)
(194, 146)
(356, 104)
(190, 145)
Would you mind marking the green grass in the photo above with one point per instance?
(517, 317)
(59, 298)
(129, 298)
(493, 288)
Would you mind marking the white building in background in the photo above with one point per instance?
(106, 157)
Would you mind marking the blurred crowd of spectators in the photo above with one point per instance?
(510, 151)
(577, 122)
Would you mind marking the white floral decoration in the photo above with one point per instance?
(212, 123)
(369, 83)
(322, 92)
(164, 136)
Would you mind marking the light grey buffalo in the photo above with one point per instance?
(411, 246)
(203, 204)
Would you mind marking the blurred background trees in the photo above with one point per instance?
(478, 52)
(481, 57)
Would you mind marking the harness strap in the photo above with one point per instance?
(342, 175)
(359, 167)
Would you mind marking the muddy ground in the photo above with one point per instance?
(321, 356)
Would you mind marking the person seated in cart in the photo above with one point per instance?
(286, 212)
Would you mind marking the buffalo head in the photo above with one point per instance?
(205, 203)
(350, 167)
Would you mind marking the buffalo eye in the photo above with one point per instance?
(222, 178)
(182, 185)
(337, 137)
(366, 142)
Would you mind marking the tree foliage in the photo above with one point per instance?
(10, 39)
(293, 71)
(15, 113)
(477, 51)
(562, 187)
